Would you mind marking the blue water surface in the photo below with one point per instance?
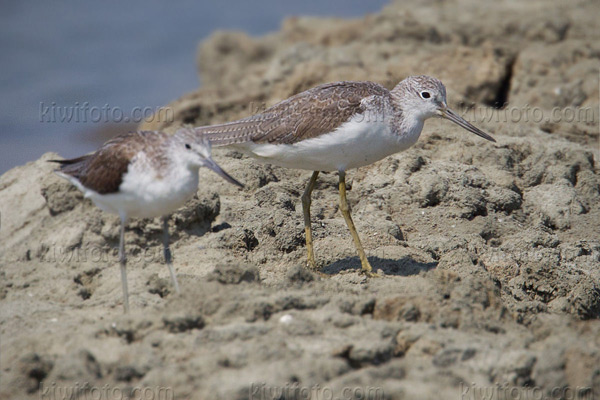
(64, 56)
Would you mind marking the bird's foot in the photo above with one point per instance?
(312, 265)
(367, 270)
(370, 274)
(315, 269)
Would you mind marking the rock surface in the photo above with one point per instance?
(489, 253)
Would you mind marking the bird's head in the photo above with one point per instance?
(195, 151)
(425, 97)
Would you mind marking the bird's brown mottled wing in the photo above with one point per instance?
(306, 115)
(103, 170)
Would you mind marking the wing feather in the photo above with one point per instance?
(306, 115)
(103, 170)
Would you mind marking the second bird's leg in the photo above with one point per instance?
(307, 229)
(123, 263)
(345, 209)
(167, 252)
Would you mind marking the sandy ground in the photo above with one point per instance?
(489, 253)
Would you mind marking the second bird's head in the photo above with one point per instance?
(195, 151)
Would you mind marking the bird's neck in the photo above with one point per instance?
(180, 166)
(398, 93)
(408, 120)
(410, 127)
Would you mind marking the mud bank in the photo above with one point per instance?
(490, 253)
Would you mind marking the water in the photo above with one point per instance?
(120, 54)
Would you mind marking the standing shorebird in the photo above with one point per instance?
(335, 127)
(142, 174)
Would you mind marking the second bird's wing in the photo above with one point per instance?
(306, 115)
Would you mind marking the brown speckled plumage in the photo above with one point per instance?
(306, 115)
(103, 170)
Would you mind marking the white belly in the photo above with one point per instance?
(354, 144)
(152, 202)
(146, 194)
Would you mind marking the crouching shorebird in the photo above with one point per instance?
(145, 175)
(335, 127)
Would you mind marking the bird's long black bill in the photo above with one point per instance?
(210, 164)
(452, 116)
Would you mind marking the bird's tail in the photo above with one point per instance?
(71, 166)
(246, 129)
(69, 161)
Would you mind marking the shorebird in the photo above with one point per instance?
(142, 174)
(335, 127)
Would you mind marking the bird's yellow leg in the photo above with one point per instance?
(345, 209)
(307, 229)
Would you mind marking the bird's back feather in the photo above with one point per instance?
(103, 170)
(306, 115)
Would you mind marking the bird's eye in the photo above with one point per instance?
(425, 95)
(187, 146)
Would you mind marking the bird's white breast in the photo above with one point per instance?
(358, 142)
